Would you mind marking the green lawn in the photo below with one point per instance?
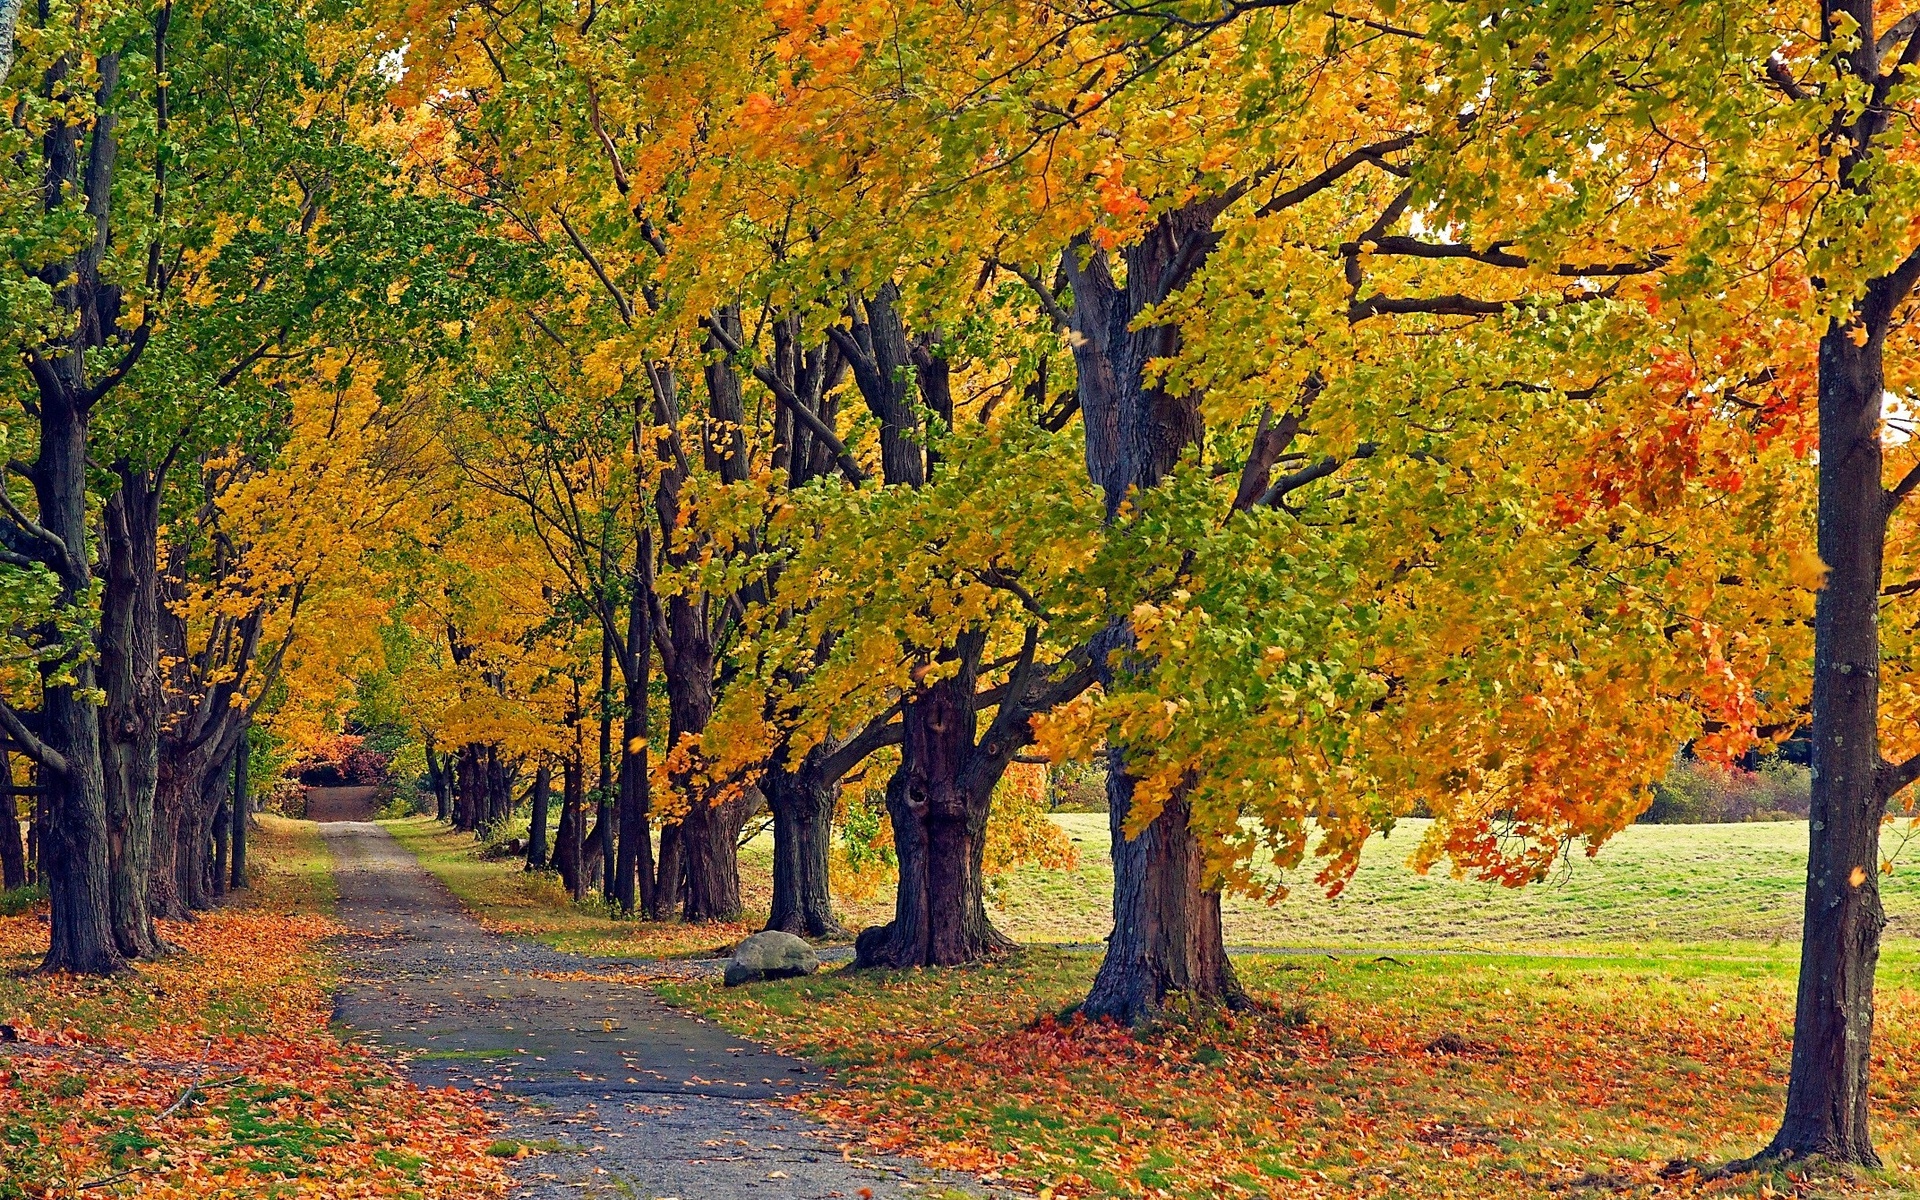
(1651, 885)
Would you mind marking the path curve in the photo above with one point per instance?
(635, 1098)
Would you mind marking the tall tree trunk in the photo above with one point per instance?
(635, 875)
(802, 802)
(939, 817)
(165, 896)
(1136, 434)
(242, 811)
(130, 675)
(222, 840)
(13, 858)
(603, 790)
(567, 839)
(1827, 1091)
(537, 820)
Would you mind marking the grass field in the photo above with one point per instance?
(1651, 884)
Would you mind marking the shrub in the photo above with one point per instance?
(1702, 793)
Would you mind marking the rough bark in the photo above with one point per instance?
(938, 801)
(130, 675)
(1827, 1092)
(74, 845)
(13, 856)
(242, 811)
(537, 820)
(1166, 926)
(567, 839)
(802, 802)
(222, 843)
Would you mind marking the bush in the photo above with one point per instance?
(403, 804)
(22, 899)
(1701, 793)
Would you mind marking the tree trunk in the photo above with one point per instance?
(1840, 941)
(635, 874)
(222, 826)
(130, 675)
(670, 877)
(603, 791)
(537, 821)
(802, 803)
(242, 812)
(1166, 921)
(13, 858)
(939, 819)
(566, 849)
(167, 892)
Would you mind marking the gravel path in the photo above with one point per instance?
(628, 1096)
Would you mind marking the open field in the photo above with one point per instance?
(1651, 885)
(213, 1072)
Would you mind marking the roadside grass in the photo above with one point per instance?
(1371, 1075)
(506, 898)
(212, 1072)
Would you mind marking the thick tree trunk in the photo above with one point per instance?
(802, 803)
(13, 858)
(242, 812)
(537, 821)
(567, 839)
(130, 675)
(1840, 940)
(167, 891)
(1166, 921)
(939, 819)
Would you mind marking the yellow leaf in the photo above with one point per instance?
(1858, 877)
(1807, 569)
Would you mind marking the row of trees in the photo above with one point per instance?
(201, 240)
(1311, 411)
(1317, 411)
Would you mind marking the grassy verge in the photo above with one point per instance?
(212, 1072)
(508, 899)
(1416, 1076)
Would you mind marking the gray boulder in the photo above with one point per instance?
(770, 955)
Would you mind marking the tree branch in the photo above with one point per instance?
(36, 749)
(1893, 778)
(785, 395)
(620, 301)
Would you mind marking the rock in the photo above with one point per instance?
(770, 955)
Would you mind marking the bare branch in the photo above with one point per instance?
(620, 301)
(36, 749)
